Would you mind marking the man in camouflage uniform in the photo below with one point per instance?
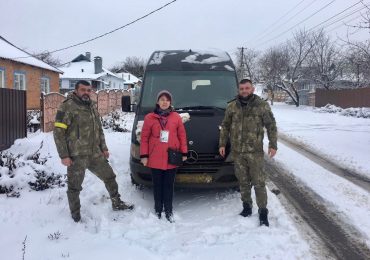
(244, 122)
(80, 142)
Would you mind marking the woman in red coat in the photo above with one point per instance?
(162, 129)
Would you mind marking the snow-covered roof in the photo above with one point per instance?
(83, 70)
(191, 60)
(11, 52)
(128, 77)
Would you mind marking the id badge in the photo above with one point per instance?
(164, 136)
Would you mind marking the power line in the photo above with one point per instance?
(350, 7)
(274, 24)
(340, 25)
(316, 12)
(107, 33)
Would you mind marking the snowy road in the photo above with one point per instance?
(311, 171)
(207, 222)
(314, 206)
(330, 165)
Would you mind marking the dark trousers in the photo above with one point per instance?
(163, 184)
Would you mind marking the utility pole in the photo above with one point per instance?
(241, 62)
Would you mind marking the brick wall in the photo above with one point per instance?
(107, 101)
(33, 80)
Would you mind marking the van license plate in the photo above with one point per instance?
(193, 178)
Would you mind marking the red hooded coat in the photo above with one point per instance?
(153, 148)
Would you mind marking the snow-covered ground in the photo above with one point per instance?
(207, 222)
(346, 140)
(348, 201)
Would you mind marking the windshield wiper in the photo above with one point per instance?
(200, 108)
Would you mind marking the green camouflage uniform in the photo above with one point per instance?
(244, 125)
(78, 134)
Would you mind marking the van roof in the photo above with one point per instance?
(190, 60)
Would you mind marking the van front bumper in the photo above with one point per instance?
(190, 176)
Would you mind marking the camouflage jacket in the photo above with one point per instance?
(244, 125)
(78, 129)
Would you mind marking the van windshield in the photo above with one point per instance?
(190, 88)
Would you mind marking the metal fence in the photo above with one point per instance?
(343, 98)
(13, 116)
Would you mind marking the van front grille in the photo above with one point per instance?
(206, 163)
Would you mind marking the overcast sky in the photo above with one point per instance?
(39, 25)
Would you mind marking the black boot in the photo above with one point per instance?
(158, 214)
(169, 217)
(263, 217)
(247, 210)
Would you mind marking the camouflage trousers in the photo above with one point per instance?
(249, 172)
(99, 166)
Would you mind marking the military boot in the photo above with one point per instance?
(76, 217)
(118, 204)
(263, 217)
(247, 210)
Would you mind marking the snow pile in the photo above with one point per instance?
(359, 112)
(18, 171)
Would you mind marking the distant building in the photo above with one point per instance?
(129, 79)
(20, 70)
(82, 68)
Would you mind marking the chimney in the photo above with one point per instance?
(98, 63)
(88, 55)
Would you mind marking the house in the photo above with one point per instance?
(21, 70)
(82, 68)
(130, 79)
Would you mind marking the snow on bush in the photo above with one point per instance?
(363, 112)
(18, 172)
(116, 121)
(33, 120)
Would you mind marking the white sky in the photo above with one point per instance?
(39, 25)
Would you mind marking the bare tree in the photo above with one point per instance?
(298, 50)
(48, 58)
(247, 61)
(357, 62)
(358, 52)
(325, 62)
(273, 66)
(134, 65)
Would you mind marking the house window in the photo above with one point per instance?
(72, 84)
(45, 85)
(2, 78)
(19, 81)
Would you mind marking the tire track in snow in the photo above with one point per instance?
(341, 239)
(350, 175)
